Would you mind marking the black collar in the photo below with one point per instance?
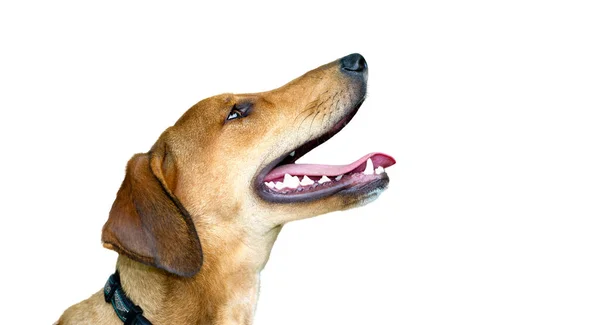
(128, 312)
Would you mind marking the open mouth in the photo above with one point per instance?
(285, 181)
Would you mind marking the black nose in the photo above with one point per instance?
(354, 62)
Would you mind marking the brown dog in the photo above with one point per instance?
(196, 217)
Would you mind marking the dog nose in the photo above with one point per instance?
(354, 63)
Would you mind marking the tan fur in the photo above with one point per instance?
(208, 166)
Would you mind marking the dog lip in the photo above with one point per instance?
(356, 185)
(351, 179)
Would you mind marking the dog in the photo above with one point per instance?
(196, 217)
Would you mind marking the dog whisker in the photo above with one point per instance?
(311, 122)
(305, 118)
(311, 106)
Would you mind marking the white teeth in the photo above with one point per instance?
(306, 181)
(324, 179)
(290, 181)
(369, 168)
(293, 182)
(293, 153)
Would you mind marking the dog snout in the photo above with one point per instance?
(354, 64)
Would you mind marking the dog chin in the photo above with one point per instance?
(359, 196)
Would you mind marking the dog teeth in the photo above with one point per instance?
(324, 179)
(379, 170)
(293, 182)
(290, 181)
(369, 168)
(306, 181)
(293, 153)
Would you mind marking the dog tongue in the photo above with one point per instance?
(378, 159)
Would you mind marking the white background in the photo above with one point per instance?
(490, 108)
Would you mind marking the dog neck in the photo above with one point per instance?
(225, 291)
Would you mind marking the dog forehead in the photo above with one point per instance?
(205, 108)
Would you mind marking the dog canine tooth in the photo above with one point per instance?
(324, 179)
(293, 153)
(290, 181)
(306, 181)
(369, 167)
(339, 177)
(379, 170)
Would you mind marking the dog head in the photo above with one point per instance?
(227, 169)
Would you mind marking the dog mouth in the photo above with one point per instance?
(285, 181)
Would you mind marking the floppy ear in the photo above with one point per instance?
(147, 223)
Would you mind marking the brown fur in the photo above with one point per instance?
(189, 204)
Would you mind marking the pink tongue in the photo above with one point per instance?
(379, 159)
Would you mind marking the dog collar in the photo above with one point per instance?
(126, 310)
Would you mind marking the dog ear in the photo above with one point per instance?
(147, 223)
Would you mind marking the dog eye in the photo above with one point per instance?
(234, 114)
(239, 111)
